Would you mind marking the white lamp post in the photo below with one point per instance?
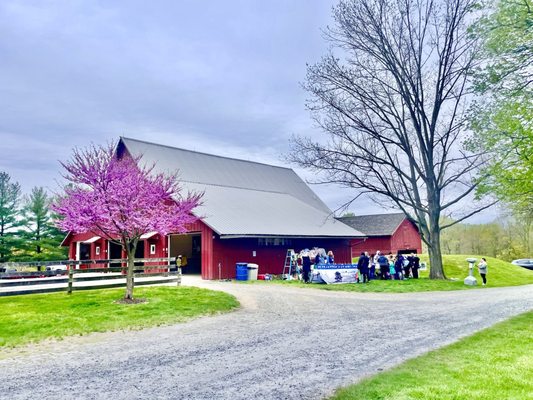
(470, 280)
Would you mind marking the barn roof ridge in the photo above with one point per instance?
(373, 215)
(204, 153)
(245, 197)
(375, 224)
(236, 187)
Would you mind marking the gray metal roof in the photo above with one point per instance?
(245, 198)
(375, 225)
(246, 212)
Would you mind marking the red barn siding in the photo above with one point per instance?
(270, 259)
(161, 251)
(207, 248)
(102, 243)
(72, 251)
(406, 237)
(228, 252)
(372, 245)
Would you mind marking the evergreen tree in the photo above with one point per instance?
(9, 215)
(41, 239)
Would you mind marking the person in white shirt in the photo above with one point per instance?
(483, 269)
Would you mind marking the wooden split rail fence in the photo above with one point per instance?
(27, 277)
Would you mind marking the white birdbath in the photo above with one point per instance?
(470, 280)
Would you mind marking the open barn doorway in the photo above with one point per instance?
(114, 253)
(406, 251)
(189, 246)
(83, 252)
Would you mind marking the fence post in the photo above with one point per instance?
(70, 279)
(178, 264)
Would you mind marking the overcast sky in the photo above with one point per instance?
(221, 77)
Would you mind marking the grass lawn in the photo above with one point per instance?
(500, 273)
(495, 363)
(33, 318)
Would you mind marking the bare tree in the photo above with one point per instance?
(392, 95)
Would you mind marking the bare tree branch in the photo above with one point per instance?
(393, 105)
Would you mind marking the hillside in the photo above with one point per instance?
(500, 273)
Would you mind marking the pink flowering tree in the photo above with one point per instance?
(119, 199)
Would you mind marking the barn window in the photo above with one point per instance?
(267, 242)
(152, 249)
(97, 250)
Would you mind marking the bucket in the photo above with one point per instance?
(252, 271)
(242, 271)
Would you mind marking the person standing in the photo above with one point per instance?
(306, 265)
(362, 265)
(483, 269)
(416, 265)
(383, 266)
(373, 262)
(331, 257)
(398, 267)
(295, 268)
(408, 265)
(319, 258)
(392, 270)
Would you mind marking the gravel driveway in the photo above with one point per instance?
(284, 343)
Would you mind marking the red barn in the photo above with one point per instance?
(389, 233)
(251, 212)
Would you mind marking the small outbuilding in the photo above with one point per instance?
(388, 233)
(251, 212)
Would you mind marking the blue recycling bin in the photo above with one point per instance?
(242, 271)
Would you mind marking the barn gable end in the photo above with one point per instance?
(388, 233)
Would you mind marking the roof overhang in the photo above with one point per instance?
(92, 240)
(236, 236)
(66, 239)
(148, 235)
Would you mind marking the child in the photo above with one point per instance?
(392, 270)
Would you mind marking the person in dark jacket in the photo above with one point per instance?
(416, 266)
(398, 266)
(363, 265)
(306, 266)
(408, 266)
(383, 266)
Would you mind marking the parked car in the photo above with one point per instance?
(524, 262)
(50, 271)
(14, 274)
(56, 270)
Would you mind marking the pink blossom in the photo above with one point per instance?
(120, 199)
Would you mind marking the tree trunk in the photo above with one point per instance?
(527, 237)
(129, 274)
(436, 270)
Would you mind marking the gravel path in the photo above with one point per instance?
(284, 343)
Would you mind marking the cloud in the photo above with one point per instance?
(219, 77)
